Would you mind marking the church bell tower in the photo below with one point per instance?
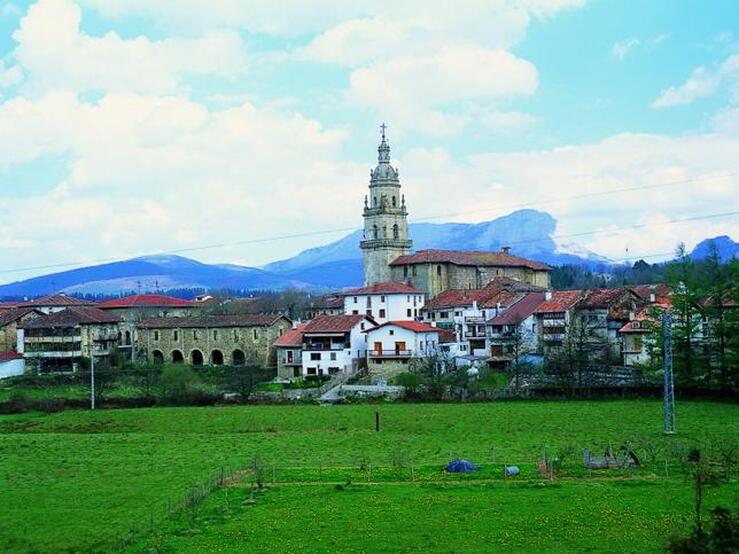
(385, 219)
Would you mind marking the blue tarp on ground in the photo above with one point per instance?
(461, 466)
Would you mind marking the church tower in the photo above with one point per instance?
(385, 219)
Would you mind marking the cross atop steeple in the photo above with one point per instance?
(382, 130)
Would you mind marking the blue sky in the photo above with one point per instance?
(130, 127)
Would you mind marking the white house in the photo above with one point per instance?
(383, 302)
(335, 344)
(392, 345)
(11, 363)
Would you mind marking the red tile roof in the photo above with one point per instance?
(56, 301)
(71, 317)
(291, 337)
(329, 302)
(501, 283)
(447, 336)
(390, 287)
(415, 326)
(561, 301)
(661, 291)
(520, 310)
(644, 320)
(243, 320)
(335, 323)
(458, 257)
(602, 298)
(145, 301)
(9, 356)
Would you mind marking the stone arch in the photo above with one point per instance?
(196, 357)
(216, 357)
(157, 357)
(177, 357)
(238, 358)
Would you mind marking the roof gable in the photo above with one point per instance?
(469, 258)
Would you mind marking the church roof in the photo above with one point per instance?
(56, 301)
(465, 258)
(145, 301)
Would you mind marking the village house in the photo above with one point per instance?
(635, 347)
(512, 336)
(289, 349)
(383, 302)
(329, 304)
(554, 317)
(138, 307)
(60, 340)
(234, 340)
(9, 321)
(335, 344)
(600, 315)
(392, 345)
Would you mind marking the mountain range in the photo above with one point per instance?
(529, 233)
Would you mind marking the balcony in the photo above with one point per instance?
(320, 347)
(553, 337)
(553, 322)
(54, 354)
(390, 353)
(52, 339)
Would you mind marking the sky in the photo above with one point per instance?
(132, 127)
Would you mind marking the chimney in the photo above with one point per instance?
(505, 249)
(548, 295)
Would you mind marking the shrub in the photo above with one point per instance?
(179, 384)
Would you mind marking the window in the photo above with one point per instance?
(405, 271)
(394, 203)
(369, 313)
(333, 356)
(256, 334)
(438, 270)
(444, 315)
(194, 335)
(361, 326)
(457, 314)
(236, 334)
(396, 231)
(415, 312)
(311, 371)
(176, 335)
(414, 271)
(382, 299)
(375, 232)
(356, 300)
(408, 312)
(382, 313)
(355, 312)
(315, 356)
(156, 335)
(215, 334)
(391, 332)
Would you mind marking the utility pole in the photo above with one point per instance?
(92, 377)
(669, 392)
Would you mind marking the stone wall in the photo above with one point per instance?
(256, 344)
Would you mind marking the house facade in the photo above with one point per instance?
(9, 321)
(212, 340)
(335, 344)
(383, 302)
(554, 317)
(512, 336)
(392, 345)
(289, 350)
(60, 340)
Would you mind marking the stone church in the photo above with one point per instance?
(386, 246)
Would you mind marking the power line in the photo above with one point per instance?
(354, 228)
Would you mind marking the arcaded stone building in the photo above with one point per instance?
(438, 270)
(212, 340)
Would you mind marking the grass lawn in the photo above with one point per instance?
(78, 481)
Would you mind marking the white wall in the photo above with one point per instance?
(344, 358)
(396, 306)
(420, 344)
(12, 367)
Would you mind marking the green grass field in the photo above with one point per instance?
(81, 481)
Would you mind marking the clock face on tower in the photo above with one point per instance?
(385, 218)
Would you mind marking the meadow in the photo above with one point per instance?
(124, 479)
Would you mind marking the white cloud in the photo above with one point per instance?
(409, 90)
(10, 76)
(56, 55)
(703, 82)
(623, 47)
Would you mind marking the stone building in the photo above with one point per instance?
(554, 317)
(385, 219)
(289, 349)
(392, 345)
(139, 307)
(212, 340)
(9, 321)
(438, 270)
(58, 341)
